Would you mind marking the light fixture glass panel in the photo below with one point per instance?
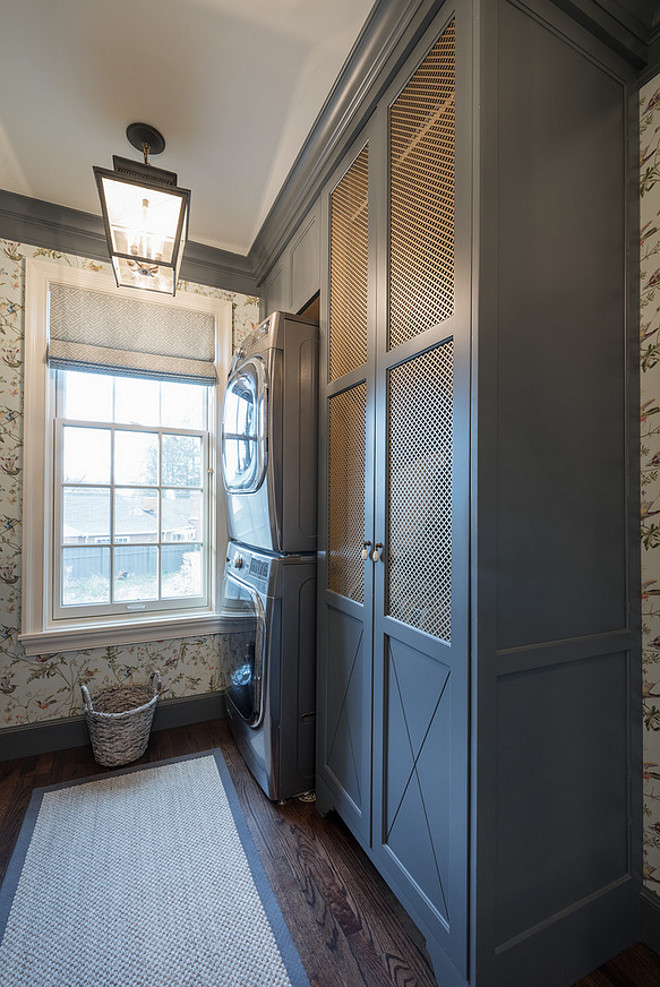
(143, 222)
(184, 235)
(151, 277)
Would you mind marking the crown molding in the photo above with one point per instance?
(626, 27)
(388, 36)
(71, 231)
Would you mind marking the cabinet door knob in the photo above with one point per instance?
(365, 551)
(376, 554)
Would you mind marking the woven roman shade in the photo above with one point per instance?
(103, 332)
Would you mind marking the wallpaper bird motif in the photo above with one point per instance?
(47, 687)
(649, 190)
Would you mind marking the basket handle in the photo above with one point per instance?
(87, 700)
(157, 682)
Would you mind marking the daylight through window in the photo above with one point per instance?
(131, 494)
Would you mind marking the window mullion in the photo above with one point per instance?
(112, 504)
(56, 520)
(208, 523)
(159, 532)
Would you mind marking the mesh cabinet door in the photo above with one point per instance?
(349, 235)
(422, 200)
(420, 605)
(345, 576)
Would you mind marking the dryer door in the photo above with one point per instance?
(243, 648)
(244, 438)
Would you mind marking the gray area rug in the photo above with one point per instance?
(145, 877)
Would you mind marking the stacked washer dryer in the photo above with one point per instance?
(268, 632)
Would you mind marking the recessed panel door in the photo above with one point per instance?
(345, 572)
(420, 822)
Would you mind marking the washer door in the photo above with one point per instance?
(243, 648)
(244, 438)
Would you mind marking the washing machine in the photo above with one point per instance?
(267, 650)
(269, 436)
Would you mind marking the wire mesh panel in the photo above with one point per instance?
(418, 557)
(347, 423)
(349, 232)
(422, 134)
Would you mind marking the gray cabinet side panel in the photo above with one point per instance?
(276, 290)
(561, 360)
(562, 805)
(305, 268)
(557, 873)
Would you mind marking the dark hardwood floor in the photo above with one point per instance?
(349, 929)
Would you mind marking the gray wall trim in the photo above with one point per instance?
(42, 738)
(650, 919)
(218, 268)
(625, 27)
(653, 66)
(44, 224)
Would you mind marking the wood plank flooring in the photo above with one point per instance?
(348, 927)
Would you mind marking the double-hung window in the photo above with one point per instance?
(131, 494)
(124, 532)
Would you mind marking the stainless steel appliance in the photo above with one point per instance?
(269, 436)
(267, 644)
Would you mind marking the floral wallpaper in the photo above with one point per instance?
(47, 687)
(649, 109)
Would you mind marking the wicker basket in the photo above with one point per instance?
(119, 720)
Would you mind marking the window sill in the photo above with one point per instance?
(81, 636)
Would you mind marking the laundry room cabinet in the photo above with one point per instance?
(478, 654)
(295, 277)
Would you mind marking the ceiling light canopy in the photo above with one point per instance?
(145, 216)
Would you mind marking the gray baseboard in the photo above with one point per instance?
(650, 919)
(57, 735)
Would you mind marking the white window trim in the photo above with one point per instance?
(41, 634)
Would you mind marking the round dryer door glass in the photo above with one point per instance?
(242, 641)
(244, 440)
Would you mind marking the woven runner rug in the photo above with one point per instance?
(145, 877)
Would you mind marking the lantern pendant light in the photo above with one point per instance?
(145, 216)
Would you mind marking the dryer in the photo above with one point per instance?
(269, 436)
(267, 652)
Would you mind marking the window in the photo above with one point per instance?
(131, 494)
(124, 531)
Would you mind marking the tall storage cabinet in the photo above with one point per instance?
(478, 662)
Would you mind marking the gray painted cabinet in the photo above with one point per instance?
(295, 277)
(479, 675)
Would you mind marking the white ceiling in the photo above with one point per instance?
(234, 86)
